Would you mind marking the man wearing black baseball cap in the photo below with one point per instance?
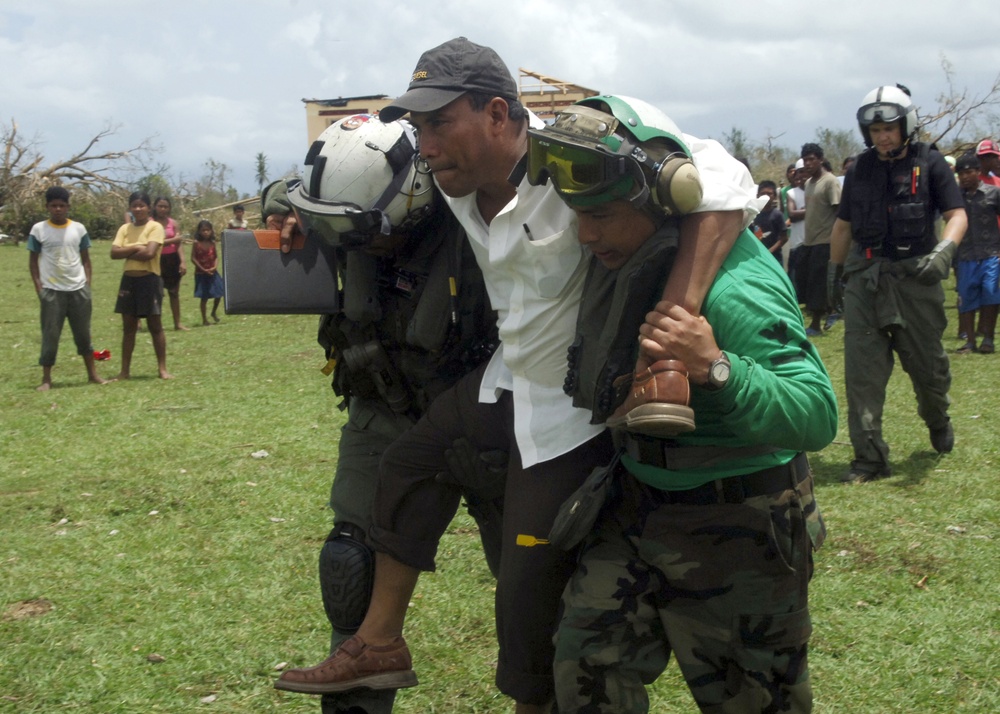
(448, 71)
(473, 135)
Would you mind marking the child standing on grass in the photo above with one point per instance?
(60, 269)
(172, 267)
(978, 261)
(238, 222)
(140, 294)
(207, 281)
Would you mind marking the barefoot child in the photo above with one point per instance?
(141, 291)
(60, 269)
(207, 281)
(172, 267)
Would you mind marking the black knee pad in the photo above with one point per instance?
(346, 570)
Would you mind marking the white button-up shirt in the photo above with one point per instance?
(534, 268)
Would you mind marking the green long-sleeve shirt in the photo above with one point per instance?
(779, 393)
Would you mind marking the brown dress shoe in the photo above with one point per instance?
(354, 665)
(657, 403)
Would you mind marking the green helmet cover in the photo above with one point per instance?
(644, 121)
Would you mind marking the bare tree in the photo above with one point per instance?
(24, 173)
(959, 110)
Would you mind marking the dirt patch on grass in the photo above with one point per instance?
(27, 608)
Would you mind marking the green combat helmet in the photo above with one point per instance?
(607, 148)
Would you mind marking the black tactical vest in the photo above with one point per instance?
(891, 212)
(424, 337)
(614, 305)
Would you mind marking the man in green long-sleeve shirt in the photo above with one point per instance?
(704, 548)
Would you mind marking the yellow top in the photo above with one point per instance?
(131, 234)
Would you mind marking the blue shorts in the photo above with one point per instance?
(978, 283)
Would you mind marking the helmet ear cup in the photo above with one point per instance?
(678, 186)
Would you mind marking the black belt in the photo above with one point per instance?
(666, 454)
(889, 252)
(737, 489)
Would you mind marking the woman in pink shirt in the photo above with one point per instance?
(172, 266)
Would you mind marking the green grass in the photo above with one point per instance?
(220, 581)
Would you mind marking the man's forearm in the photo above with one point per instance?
(36, 275)
(956, 223)
(705, 241)
(840, 241)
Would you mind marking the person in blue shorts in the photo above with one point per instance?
(978, 261)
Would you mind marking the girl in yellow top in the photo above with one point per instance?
(140, 294)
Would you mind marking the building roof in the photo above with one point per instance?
(342, 101)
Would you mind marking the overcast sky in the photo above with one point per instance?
(225, 80)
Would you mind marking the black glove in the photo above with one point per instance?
(481, 474)
(933, 267)
(834, 285)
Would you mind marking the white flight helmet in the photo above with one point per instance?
(889, 105)
(362, 177)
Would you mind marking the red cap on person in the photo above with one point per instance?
(987, 146)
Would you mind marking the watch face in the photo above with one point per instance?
(718, 375)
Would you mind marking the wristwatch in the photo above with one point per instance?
(718, 373)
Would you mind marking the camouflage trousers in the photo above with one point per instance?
(724, 587)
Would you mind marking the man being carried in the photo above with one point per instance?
(473, 134)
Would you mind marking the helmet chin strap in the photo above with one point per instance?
(898, 151)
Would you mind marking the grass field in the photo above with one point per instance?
(149, 563)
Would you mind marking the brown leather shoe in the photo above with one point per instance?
(657, 404)
(354, 665)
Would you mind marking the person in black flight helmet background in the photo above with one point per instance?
(885, 247)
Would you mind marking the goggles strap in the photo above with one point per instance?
(400, 160)
(400, 154)
(518, 172)
(316, 179)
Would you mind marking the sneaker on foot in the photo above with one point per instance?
(986, 348)
(967, 349)
(943, 438)
(354, 665)
(657, 403)
(813, 332)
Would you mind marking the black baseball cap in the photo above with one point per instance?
(446, 72)
(967, 160)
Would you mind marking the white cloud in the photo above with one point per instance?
(223, 81)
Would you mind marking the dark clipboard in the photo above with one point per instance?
(261, 280)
